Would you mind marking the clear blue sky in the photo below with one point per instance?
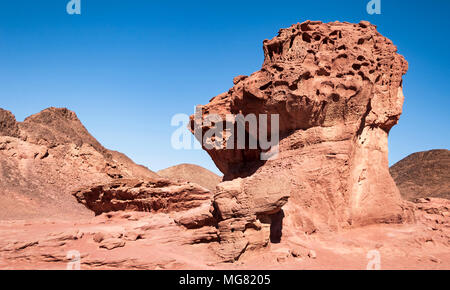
(126, 67)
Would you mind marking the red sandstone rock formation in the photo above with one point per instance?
(337, 88)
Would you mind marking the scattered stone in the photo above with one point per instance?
(112, 243)
(299, 252)
(312, 254)
(132, 236)
(99, 237)
(435, 260)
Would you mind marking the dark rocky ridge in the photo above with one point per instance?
(423, 174)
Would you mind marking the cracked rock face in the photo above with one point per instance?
(337, 88)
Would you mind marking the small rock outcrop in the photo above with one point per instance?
(423, 175)
(249, 215)
(8, 124)
(337, 89)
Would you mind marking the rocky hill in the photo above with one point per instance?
(192, 173)
(48, 156)
(423, 174)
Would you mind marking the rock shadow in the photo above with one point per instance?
(276, 227)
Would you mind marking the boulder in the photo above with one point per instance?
(49, 155)
(151, 195)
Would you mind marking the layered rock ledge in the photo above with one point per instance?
(190, 202)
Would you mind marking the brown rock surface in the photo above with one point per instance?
(423, 174)
(337, 88)
(47, 157)
(192, 173)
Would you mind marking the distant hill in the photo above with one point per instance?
(424, 174)
(192, 173)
